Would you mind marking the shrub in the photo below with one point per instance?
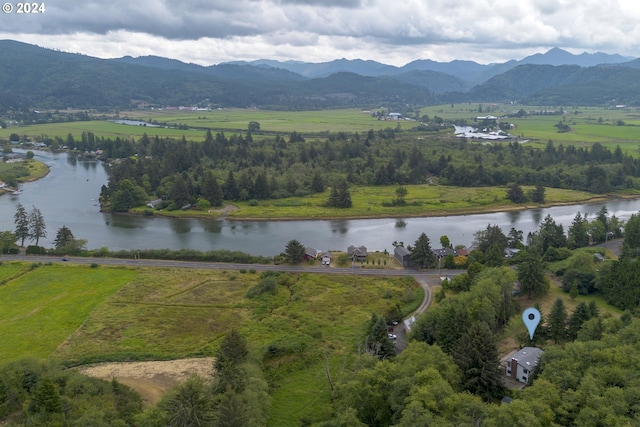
(265, 285)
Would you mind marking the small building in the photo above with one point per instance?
(154, 203)
(523, 363)
(3, 184)
(403, 256)
(310, 253)
(326, 258)
(511, 252)
(357, 253)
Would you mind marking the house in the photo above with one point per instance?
(326, 258)
(310, 253)
(408, 323)
(511, 252)
(523, 363)
(403, 256)
(357, 254)
(444, 252)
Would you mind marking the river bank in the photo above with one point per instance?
(297, 210)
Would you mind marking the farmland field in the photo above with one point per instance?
(589, 124)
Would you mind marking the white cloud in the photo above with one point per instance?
(212, 31)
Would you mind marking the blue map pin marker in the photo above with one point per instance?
(531, 318)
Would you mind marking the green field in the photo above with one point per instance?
(77, 314)
(589, 124)
(422, 200)
(43, 305)
(227, 120)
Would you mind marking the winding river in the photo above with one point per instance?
(68, 196)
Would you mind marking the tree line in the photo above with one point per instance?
(241, 167)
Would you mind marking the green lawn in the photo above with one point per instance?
(42, 307)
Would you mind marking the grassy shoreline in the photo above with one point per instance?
(422, 202)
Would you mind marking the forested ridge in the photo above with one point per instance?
(244, 167)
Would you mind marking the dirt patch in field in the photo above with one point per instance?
(151, 379)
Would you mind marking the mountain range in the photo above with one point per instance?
(35, 77)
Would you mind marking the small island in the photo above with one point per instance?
(18, 168)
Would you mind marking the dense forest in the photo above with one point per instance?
(241, 167)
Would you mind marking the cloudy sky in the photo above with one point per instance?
(393, 32)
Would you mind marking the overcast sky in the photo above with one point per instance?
(390, 31)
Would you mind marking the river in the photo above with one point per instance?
(68, 196)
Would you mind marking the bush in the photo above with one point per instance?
(36, 250)
(265, 285)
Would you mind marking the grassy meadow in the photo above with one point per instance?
(422, 200)
(77, 314)
(43, 304)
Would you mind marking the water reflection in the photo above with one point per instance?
(68, 196)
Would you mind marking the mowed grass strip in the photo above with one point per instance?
(41, 308)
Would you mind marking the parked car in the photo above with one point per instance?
(392, 336)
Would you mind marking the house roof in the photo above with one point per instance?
(311, 252)
(443, 252)
(528, 357)
(401, 251)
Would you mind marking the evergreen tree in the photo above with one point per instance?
(294, 252)
(494, 256)
(577, 232)
(515, 194)
(377, 342)
(46, 397)
(531, 275)
(580, 315)
(211, 189)
(230, 356)
(537, 195)
(37, 227)
(64, 237)
(21, 220)
(476, 354)
(485, 239)
(188, 404)
(317, 183)
(340, 197)
(261, 187)
(230, 188)
(557, 322)
(422, 255)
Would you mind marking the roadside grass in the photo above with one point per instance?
(43, 306)
(422, 200)
(13, 270)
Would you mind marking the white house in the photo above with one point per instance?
(523, 363)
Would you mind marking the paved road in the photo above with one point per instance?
(431, 274)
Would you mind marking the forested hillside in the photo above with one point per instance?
(37, 78)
